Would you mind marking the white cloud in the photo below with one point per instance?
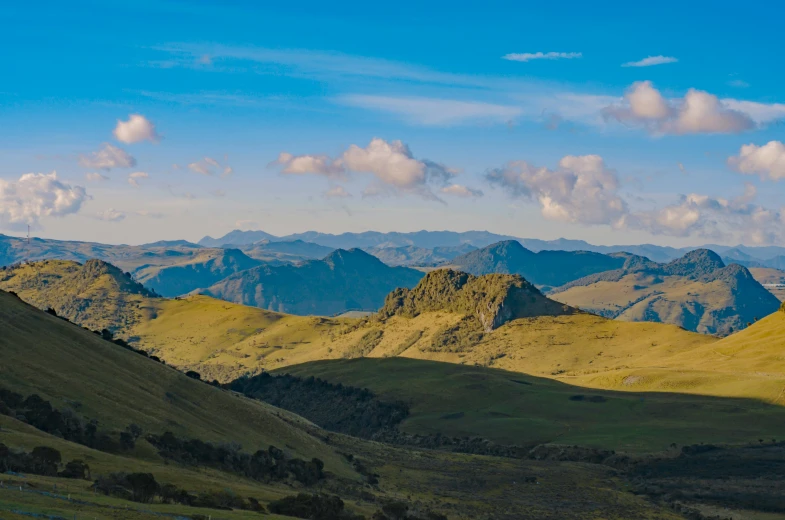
(337, 192)
(208, 166)
(738, 83)
(111, 215)
(391, 163)
(133, 178)
(761, 113)
(768, 160)
(138, 128)
(304, 164)
(434, 111)
(95, 176)
(581, 190)
(35, 196)
(698, 112)
(714, 218)
(529, 56)
(218, 193)
(108, 157)
(651, 60)
(459, 190)
(246, 225)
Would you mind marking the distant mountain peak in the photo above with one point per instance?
(696, 263)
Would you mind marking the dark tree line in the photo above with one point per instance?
(264, 465)
(39, 413)
(345, 409)
(43, 460)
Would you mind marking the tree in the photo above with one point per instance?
(143, 486)
(46, 460)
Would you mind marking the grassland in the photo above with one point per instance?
(76, 369)
(511, 408)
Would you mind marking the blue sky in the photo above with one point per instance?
(394, 117)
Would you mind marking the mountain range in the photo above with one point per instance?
(697, 292)
(344, 280)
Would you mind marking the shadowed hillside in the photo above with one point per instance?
(697, 292)
(199, 271)
(546, 268)
(343, 280)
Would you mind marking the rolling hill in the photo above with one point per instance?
(197, 271)
(88, 377)
(545, 268)
(95, 294)
(697, 292)
(291, 250)
(342, 281)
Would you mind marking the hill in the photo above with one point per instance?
(545, 268)
(196, 272)
(95, 294)
(81, 377)
(342, 281)
(419, 256)
(697, 292)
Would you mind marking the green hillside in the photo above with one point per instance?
(95, 294)
(342, 281)
(94, 379)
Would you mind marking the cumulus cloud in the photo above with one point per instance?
(698, 112)
(459, 190)
(530, 56)
(208, 166)
(133, 178)
(391, 163)
(651, 60)
(714, 218)
(138, 128)
(108, 157)
(37, 195)
(316, 164)
(582, 189)
(110, 215)
(95, 177)
(768, 160)
(337, 192)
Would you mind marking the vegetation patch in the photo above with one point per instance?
(365, 346)
(408, 343)
(460, 337)
(345, 409)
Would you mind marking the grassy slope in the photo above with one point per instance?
(512, 408)
(66, 364)
(43, 354)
